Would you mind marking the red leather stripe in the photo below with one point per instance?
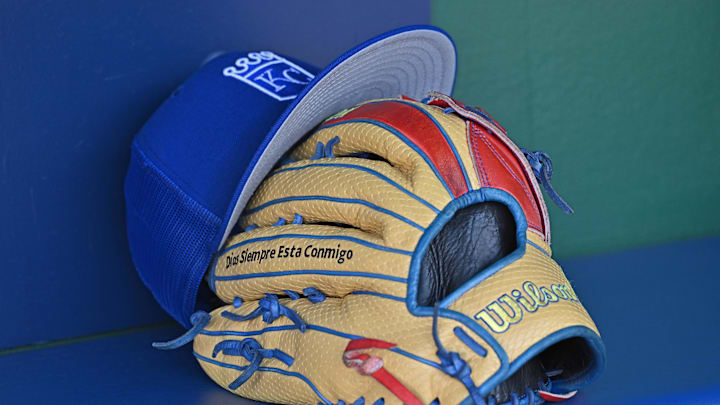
(420, 130)
(396, 387)
(381, 375)
(360, 344)
(550, 397)
(499, 168)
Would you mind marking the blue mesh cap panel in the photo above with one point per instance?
(168, 233)
(205, 134)
(189, 158)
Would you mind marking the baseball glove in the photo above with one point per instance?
(398, 254)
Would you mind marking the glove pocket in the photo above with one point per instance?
(531, 310)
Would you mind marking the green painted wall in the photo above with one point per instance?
(625, 97)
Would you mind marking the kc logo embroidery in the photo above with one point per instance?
(271, 74)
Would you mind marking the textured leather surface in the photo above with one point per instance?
(497, 161)
(476, 237)
(317, 352)
(377, 193)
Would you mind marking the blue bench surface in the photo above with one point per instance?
(122, 369)
(655, 308)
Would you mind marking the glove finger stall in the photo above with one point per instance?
(345, 191)
(336, 260)
(317, 353)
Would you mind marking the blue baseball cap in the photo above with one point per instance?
(199, 158)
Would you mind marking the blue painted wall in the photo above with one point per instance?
(78, 79)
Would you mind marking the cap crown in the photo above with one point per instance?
(188, 160)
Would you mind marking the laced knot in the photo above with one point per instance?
(270, 308)
(454, 365)
(541, 165)
(313, 295)
(253, 352)
(325, 151)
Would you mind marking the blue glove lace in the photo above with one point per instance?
(253, 352)
(359, 401)
(453, 365)
(198, 320)
(270, 309)
(542, 168)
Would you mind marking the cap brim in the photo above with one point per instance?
(410, 61)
